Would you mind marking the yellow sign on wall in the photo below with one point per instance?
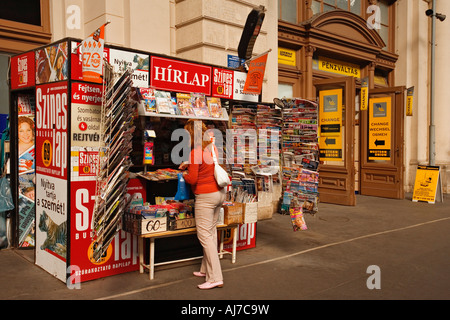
(427, 184)
(380, 128)
(409, 101)
(339, 67)
(364, 93)
(330, 124)
(286, 56)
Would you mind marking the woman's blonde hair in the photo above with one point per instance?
(197, 129)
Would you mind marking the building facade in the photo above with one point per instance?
(386, 43)
(317, 46)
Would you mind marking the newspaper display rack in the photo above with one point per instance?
(113, 162)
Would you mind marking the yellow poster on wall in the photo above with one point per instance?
(380, 128)
(330, 125)
(286, 56)
(427, 184)
(409, 101)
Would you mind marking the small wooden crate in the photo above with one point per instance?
(139, 225)
(181, 223)
(233, 214)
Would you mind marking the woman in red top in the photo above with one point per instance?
(209, 198)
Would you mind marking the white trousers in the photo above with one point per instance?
(207, 208)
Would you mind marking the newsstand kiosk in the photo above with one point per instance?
(63, 113)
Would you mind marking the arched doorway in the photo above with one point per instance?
(338, 54)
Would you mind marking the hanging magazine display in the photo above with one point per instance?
(117, 130)
(300, 157)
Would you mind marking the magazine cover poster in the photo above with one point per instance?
(52, 63)
(22, 71)
(26, 168)
(52, 129)
(86, 114)
(51, 224)
(121, 255)
(222, 84)
(139, 63)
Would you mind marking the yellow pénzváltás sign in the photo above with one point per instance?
(330, 125)
(339, 67)
(380, 129)
(426, 184)
(287, 56)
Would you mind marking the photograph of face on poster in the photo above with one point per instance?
(26, 168)
(51, 63)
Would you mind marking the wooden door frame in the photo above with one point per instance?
(337, 183)
(396, 166)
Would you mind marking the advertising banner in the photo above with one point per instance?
(330, 125)
(22, 71)
(380, 128)
(92, 55)
(180, 76)
(255, 76)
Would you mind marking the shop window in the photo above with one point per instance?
(24, 25)
(354, 6)
(384, 22)
(4, 89)
(285, 90)
(24, 11)
(288, 10)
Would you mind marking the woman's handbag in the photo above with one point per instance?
(220, 173)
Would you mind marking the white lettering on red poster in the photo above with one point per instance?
(121, 255)
(22, 71)
(180, 76)
(222, 84)
(51, 129)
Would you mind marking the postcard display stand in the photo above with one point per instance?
(70, 242)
